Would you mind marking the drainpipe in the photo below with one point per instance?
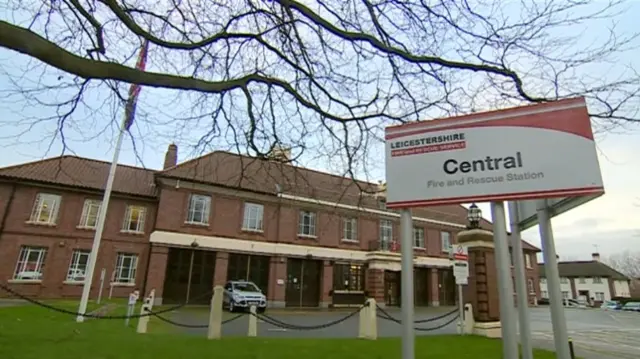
(6, 209)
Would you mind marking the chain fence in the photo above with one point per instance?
(192, 326)
(383, 314)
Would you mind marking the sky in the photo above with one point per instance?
(609, 224)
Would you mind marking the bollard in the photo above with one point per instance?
(143, 322)
(363, 319)
(152, 298)
(469, 320)
(372, 332)
(215, 314)
(573, 354)
(253, 322)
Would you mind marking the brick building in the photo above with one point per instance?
(306, 238)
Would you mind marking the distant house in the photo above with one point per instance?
(635, 288)
(591, 280)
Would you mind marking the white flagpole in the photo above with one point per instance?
(88, 279)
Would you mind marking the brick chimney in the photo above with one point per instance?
(171, 157)
(596, 256)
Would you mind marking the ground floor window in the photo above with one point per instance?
(78, 266)
(30, 263)
(348, 277)
(600, 296)
(126, 267)
(544, 294)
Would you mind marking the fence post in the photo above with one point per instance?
(372, 332)
(215, 314)
(253, 322)
(363, 319)
(143, 321)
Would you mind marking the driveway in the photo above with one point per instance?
(596, 334)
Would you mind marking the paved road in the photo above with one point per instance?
(345, 329)
(596, 334)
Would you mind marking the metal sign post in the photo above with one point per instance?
(103, 274)
(406, 283)
(461, 273)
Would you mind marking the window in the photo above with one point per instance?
(253, 214)
(418, 237)
(445, 241)
(30, 263)
(348, 277)
(583, 280)
(564, 280)
(382, 204)
(350, 229)
(199, 207)
(90, 213)
(597, 280)
(527, 260)
(126, 266)
(134, 219)
(511, 257)
(307, 224)
(45, 208)
(600, 296)
(544, 294)
(532, 289)
(78, 266)
(565, 294)
(386, 231)
(543, 280)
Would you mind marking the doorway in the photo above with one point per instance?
(392, 288)
(303, 282)
(189, 276)
(253, 268)
(421, 285)
(447, 285)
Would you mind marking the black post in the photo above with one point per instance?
(573, 354)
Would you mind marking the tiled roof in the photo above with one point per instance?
(585, 269)
(83, 173)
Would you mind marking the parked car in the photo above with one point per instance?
(611, 305)
(241, 295)
(631, 307)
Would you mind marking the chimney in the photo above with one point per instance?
(595, 256)
(171, 157)
(281, 154)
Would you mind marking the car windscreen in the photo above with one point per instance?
(245, 287)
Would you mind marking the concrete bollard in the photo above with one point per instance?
(152, 298)
(363, 321)
(143, 322)
(372, 332)
(253, 322)
(215, 313)
(469, 320)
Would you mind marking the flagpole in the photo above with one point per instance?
(102, 215)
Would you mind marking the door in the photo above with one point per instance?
(252, 268)
(189, 276)
(447, 284)
(303, 282)
(421, 279)
(392, 288)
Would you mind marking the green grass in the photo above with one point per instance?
(28, 332)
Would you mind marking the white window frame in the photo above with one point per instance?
(90, 206)
(76, 265)
(253, 219)
(52, 203)
(527, 259)
(445, 237)
(418, 238)
(597, 280)
(386, 231)
(22, 264)
(564, 280)
(565, 294)
(532, 289)
(544, 294)
(350, 229)
(128, 219)
(307, 229)
(599, 296)
(543, 280)
(126, 275)
(582, 280)
(199, 205)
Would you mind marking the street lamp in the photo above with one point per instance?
(474, 215)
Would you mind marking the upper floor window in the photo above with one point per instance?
(126, 266)
(597, 280)
(532, 289)
(445, 241)
(564, 280)
(418, 237)
(386, 230)
(544, 294)
(90, 213)
(527, 260)
(45, 208)
(78, 266)
(582, 280)
(253, 215)
(199, 207)
(307, 224)
(134, 219)
(350, 229)
(543, 280)
(30, 263)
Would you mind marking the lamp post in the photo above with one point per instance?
(474, 214)
(194, 245)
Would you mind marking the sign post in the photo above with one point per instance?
(103, 274)
(406, 283)
(461, 273)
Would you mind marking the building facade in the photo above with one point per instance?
(306, 238)
(592, 281)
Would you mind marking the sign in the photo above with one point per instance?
(539, 151)
(528, 210)
(461, 264)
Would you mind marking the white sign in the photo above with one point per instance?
(461, 264)
(538, 151)
(528, 210)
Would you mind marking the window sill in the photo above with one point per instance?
(196, 224)
(307, 236)
(135, 233)
(33, 223)
(116, 284)
(253, 231)
(25, 281)
(419, 248)
(86, 228)
(73, 282)
(350, 241)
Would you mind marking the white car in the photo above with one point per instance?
(241, 295)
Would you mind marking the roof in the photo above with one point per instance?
(591, 268)
(83, 173)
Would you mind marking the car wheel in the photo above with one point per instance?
(231, 307)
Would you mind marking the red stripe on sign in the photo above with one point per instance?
(570, 116)
(499, 197)
(429, 148)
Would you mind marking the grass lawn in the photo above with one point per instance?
(28, 332)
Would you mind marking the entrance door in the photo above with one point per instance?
(421, 280)
(252, 268)
(392, 288)
(189, 275)
(303, 282)
(447, 287)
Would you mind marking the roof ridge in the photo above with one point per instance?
(76, 157)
